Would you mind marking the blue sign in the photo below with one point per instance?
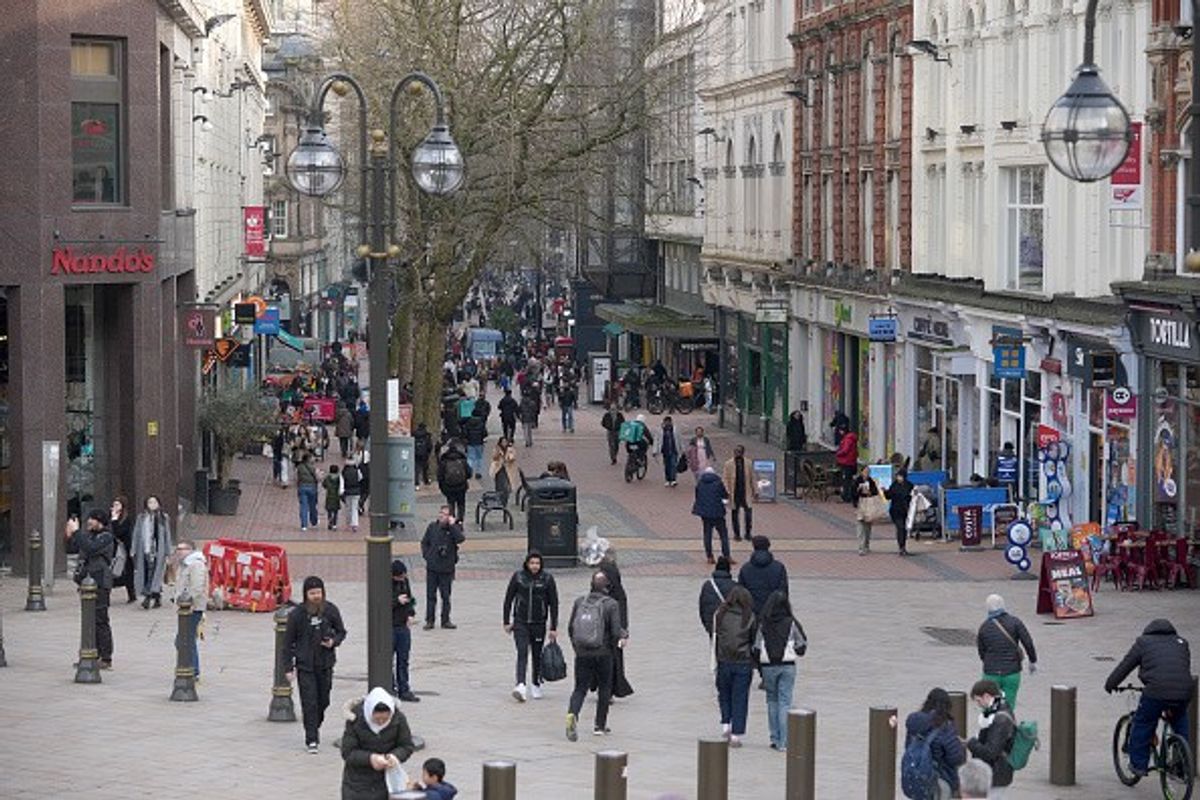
(267, 323)
(1008, 353)
(882, 329)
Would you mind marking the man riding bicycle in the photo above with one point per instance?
(1164, 663)
(639, 443)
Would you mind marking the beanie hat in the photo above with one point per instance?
(761, 543)
(995, 603)
(398, 568)
(723, 563)
(313, 582)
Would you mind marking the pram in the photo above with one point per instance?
(923, 512)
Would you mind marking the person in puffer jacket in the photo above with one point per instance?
(1000, 641)
(530, 604)
(762, 575)
(714, 591)
(734, 632)
(376, 739)
(935, 721)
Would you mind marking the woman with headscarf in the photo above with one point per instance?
(151, 549)
(936, 723)
(377, 739)
(503, 468)
(616, 590)
(733, 639)
(780, 642)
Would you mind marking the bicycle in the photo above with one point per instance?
(1170, 755)
(667, 397)
(635, 465)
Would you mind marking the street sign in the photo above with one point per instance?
(771, 311)
(267, 324)
(1008, 352)
(224, 348)
(882, 329)
(244, 313)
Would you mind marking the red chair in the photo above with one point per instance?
(1135, 565)
(1176, 565)
(1109, 564)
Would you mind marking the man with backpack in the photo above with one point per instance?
(932, 750)
(439, 548)
(1000, 641)
(595, 631)
(997, 728)
(453, 475)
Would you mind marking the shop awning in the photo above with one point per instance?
(652, 320)
(612, 329)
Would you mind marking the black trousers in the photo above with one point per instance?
(529, 639)
(718, 523)
(458, 503)
(901, 533)
(104, 639)
(314, 699)
(422, 474)
(126, 580)
(508, 429)
(749, 514)
(848, 487)
(597, 669)
(344, 441)
(438, 583)
(614, 444)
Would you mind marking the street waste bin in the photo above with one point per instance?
(553, 521)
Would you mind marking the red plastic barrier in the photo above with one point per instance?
(249, 575)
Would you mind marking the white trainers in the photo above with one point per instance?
(518, 693)
(726, 729)
(535, 692)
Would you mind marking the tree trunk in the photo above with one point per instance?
(427, 372)
(400, 359)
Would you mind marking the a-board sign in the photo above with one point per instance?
(1063, 587)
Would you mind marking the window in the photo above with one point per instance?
(750, 197)
(867, 215)
(895, 94)
(97, 122)
(827, 216)
(867, 95)
(279, 219)
(935, 213)
(777, 180)
(827, 99)
(166, 155)
(891, 233)
(937, 74)
(810, 90)
(806, 228)
(1023, 228)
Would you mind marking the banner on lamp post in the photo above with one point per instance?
(254, 219)
(1126, 183)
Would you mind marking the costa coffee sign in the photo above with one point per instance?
(69, 261)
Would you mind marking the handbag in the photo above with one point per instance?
(120, 559)
(682, 466)
(873, 508)
(554, 665)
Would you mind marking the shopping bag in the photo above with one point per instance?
(873, 508)
(397, 779)
(554, 665)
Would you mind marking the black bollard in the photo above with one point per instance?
(881, 754)
(499, 780)
(958, 709)
(87, 670)
(184, 690)
(1062, 735)
(36, 599)
(712, 769)
(1193, 713)
(282, 708)
(611, 775)
(801, 754)
(3, 658)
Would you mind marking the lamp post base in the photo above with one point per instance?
(36, 600)
(184, 690)
(88, 668)
(282, 708)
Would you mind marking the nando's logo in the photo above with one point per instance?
(68, 261)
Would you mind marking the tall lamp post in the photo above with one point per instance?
(316, 168)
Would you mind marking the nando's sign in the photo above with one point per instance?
(70, 261)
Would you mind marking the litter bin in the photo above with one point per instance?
(553, 521)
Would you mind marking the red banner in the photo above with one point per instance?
(254, 220)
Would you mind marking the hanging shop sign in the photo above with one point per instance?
(930, 329)
(1092, 362)
(267, 323)
(1126, 182)
(1120, 404)
(69, 261)
(1167, 334)
(224, 348)
(240, 357)
(771, 311)
(1008, 351)
(254, 227)
(198, 327)
(882, 328)
(244, 313)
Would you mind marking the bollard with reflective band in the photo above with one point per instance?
(611, 775)
(712, 769)
(801, 754)
(184, 690)
(958, 709)
(36, 599)
(881, 754)
(499, 780)
(1062, 735)
(282, 708)
(88, 668)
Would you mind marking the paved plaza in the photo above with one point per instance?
(864, 616)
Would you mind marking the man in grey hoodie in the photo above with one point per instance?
(596, 632)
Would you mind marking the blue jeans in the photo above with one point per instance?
(568, 418)
(778, 680)
(196, 616)
(733, 694)
(475, 458)
(670, 462)
(402, 646)
(1145, 721)
(307, 494)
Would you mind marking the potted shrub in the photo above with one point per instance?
(234, 417)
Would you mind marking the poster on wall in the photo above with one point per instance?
(1165, 487)
(882, 475)
(1063, 587)
(601, 371)
(764, 470)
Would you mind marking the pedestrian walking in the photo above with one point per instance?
(616, 590)
(595, 631)
(900, 493)
(762, 575)
(362, 424)
(780, 643)
(422, 450)
(996, 729)
(846, 458)
(510, 409)
(475, 431)
(668, 445)
(612, 421)
(503, 469)
(568, 398)
(530, 614)
(306, 491)
(933, 727)
(376, 739)
(1000, 641)
(864, 490)
(709, 506)
(404, 610)
(797, 436)
(96, 546)
(191, 579)
(279, 458)
(351, 490)
(151, 549)
(734, 631)
(343, 428)
(122, 529)
(700, 453)
(439, 548)
(311, 637)
(714, 591)
(530, 408)
(739, 480)
(364, 480)
(333, 496)
(454, 475)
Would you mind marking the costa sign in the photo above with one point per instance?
(67, 261)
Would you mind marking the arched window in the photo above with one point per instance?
(970, 84)
(867, 95)
(750, 195)
(895, 95)
(827, 102)
(810, 89)
(728, 203)
(778, 178)
(1010, 86)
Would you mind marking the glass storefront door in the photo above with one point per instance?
(1175, 447)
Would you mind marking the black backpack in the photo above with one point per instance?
(456, 472)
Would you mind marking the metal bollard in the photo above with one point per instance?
(958, 708)
(801, 754)
(36, 599)
(881, 754)
(611, 775)
(1062, 735)
(87, 670)
(1192, 714)
(184, 690)
(499, 780)
(3, 658)
(282, 708)
(712, 769)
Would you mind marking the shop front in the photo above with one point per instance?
(754, 362)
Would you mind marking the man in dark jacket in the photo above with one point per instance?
(439, 548)
(362, 425)
(453, 476)
(595, 630)
(996, 729)
(900, 493)
(96, 547)
(310, 640)
(530, 604)
(762, 574)
(999, 641)
(475, 431)
(422, 450)
(343, 428)
(531, 406)
(709, 506)
(611, 422)
(1163, 660)
(714, 591)
(568, 398)
(509, 410)
(404, 608)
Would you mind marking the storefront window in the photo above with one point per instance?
(1165, 451)
(834, 400)
(864, 397)
(81, 399)
(6, 542)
